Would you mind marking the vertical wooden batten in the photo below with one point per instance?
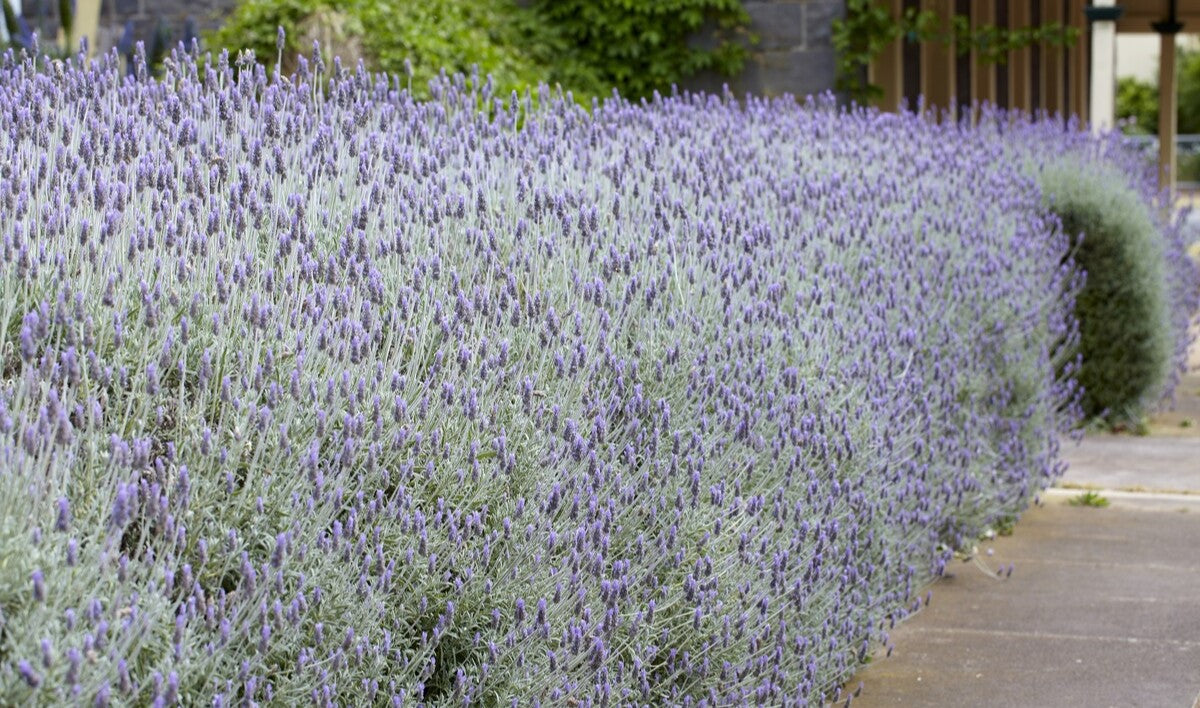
(1167, 107)
(887, 69)
(1168, 98)
(1079, 60)
(1001, 70)
(983, 74)
(1019, 61)
(1052, 61)
(938, 76)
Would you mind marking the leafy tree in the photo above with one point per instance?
(1189, 91)
(416, 37)
(640, 47)
(1137, 100)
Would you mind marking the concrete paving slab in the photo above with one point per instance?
(1102, 609)
(1133, 463)
(1032, 670)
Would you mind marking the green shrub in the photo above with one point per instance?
(640, 47)
(253, 25)
(458, 35)
(1124, 310)
(1137, 101)
(419, 38)
(588, 48)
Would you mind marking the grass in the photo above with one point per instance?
(1090, 499)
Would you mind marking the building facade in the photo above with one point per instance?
(794, 50)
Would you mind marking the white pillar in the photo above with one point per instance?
(1104, 83)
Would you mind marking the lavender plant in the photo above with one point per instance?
(315, 393)
(1142, 290)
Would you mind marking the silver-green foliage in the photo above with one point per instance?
(1124, 308)
(315, 393)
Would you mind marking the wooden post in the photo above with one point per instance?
(937, 60)
(887, 69)
(1167, 106)
(1079, 61)
(983, 74)
(1020, 61)
(1052, 63)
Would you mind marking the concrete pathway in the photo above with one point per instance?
(1133, 464)
(1103, 607)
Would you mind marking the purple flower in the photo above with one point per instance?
(27, 674)
(39, 586)
(63, 519)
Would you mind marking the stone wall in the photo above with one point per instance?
(176, 16)
(794, 53)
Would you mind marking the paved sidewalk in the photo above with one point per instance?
(1103, 607)
(1133, 464)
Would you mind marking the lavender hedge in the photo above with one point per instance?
(312, 393)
